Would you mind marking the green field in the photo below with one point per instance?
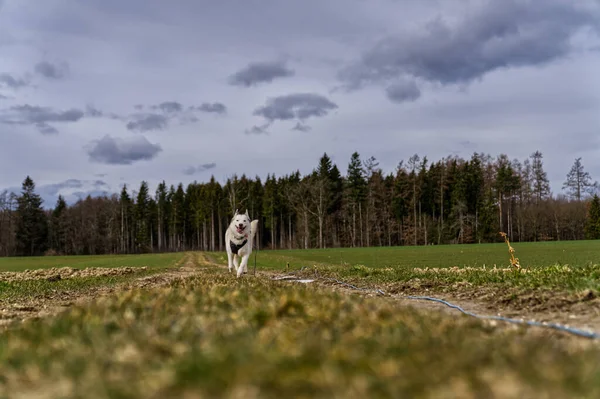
(573, 253)
(45, 262)
(209, 334)
(217, 336)
(560, 266)
(28, 284)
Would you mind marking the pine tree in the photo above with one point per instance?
(400, 199)
(335, 206)
(541, 185)
(592, 226)
(578, 181)
(126, 207)
(142, 218)
(31, 224)
(270, 208)
(58, 230)
(161, 214)
(357, 187)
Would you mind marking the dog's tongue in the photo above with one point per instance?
(239, 230)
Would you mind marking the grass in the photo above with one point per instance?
(43, 286)
(573, 253)
(564, 266)
(213, 335)
(218, 336)
(46, 262)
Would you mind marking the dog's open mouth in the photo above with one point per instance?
(240, 229)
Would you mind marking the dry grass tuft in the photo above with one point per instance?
(513, 260)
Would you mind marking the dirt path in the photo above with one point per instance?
(20, 309)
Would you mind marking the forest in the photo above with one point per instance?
(449, 201)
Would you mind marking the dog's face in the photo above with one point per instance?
(241, 222)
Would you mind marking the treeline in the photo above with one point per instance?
(450, 201)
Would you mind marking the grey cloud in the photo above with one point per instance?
(36, 114)
(169, 107)
(55, 188)
(295, 106)
(403, 91)
(260, 72)
(93, 112)
(115, 151)
(258, 129)
(148, 122)
(301, 127)
(495, 35)
(52, 71)
(50, 192)
(216, 108)
(168, 111)
(7, 80)
(190, 170)
(44, 128)
(39, 117)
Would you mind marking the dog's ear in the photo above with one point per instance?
(247, 214)
(236, 213)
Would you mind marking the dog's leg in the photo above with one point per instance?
(243, 266)
(235, 263)
(230, 261)
(245, 261)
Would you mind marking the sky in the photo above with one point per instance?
(95, 94)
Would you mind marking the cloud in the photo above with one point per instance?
(216, 108)
(115, 151)
(494, 35)
(36, 114)
(301, 127)
(7, 80)
(299, 106)
(168, 111)
(258, 129)
(44, 128)
(260, 72)
(169, 107)
(55, 188)
(39, 117)
(93, 112)
(52, 71)
(403, 91)
(148, 122)
(190, 170)
(70, 189)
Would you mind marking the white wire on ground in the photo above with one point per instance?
(555, 326)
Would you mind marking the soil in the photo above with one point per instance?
(46, 305)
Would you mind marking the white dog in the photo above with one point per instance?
(238, 241)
